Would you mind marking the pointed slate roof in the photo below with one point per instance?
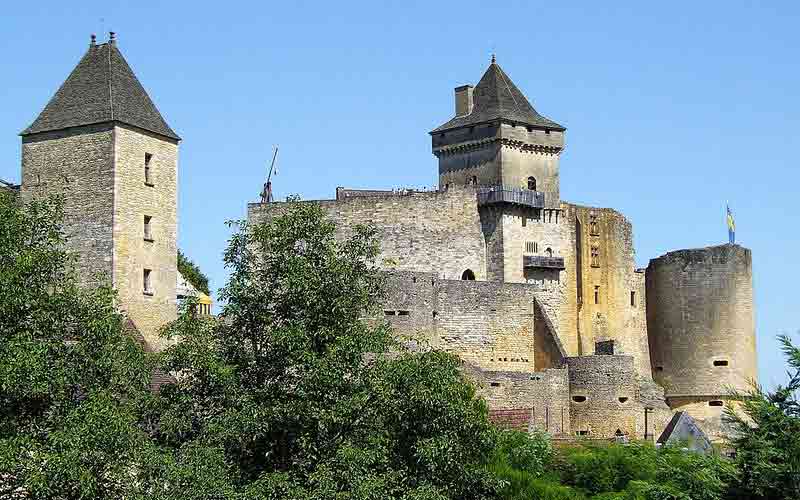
(497, 98)
(101, 88)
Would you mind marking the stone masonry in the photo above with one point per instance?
(539, 297)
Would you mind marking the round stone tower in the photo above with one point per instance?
(701, 326)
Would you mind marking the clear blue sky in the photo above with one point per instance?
(671, 108)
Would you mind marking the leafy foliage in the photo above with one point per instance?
(192, 273)
(70, 380)
(291, 395)
(768, 436)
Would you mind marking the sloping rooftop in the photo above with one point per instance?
(101, 88)
(497, 98)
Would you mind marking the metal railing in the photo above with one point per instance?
(499, 194)
(541, 261)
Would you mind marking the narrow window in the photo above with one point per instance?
(148, 285)
(596, 294)
(403, 313)
(549, 252)
(468, 275)
(633, 299)
(715, 403)
(524, 221)
(720, 362)
(532, 183)
(595, 254)
(389, 313)
(535, 246)
(148, 178)
(473, 180)
(148, 235)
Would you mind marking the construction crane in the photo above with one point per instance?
(266, 193)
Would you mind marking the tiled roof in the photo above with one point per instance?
(101, 88)
(497, 98)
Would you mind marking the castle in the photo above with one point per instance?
(539, 297)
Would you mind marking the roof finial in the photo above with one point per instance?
(93, 40)
(494, 59)
(111, 37)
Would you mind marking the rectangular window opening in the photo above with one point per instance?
(148, 178)
(148, 235)
(147, 281)
(721, 362)
(596, 294)
(403, 313)
(633, 299)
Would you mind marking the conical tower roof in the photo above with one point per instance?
(497, 98)
(101, 88)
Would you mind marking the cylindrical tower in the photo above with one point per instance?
(604, 396)
(701, 325)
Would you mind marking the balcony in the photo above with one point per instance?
(542, 262)
(498, 194)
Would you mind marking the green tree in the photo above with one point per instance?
(294, 393)
(70, 380)
(767, 438)
(192, 273)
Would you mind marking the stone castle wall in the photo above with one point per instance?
(701, 322)
(424, 232)
(604, 395)
(542, 396)
(133, 253)
(609, 300)
(77, 164)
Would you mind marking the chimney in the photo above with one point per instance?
(463, 100)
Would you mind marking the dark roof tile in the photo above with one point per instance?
(101, 88)
(497, 98)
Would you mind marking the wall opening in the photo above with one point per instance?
(148, 226)
(622, 399)
(148, 178)
(633, 299)
(597, 294)
(389, 313)
(582, 433)
(532, 183)
(579, 399)
(720, 362)
(495, 384)
(549, 252)
(473, 180)
(468, 275)
(716, 402)
(403, 313)
(659, 368)
(147, 284)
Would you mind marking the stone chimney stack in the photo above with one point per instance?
(463, 100)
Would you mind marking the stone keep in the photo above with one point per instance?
(101, 144)
(540, 297)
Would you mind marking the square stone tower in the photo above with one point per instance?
(102, 145)
(498, 143)
(498, 139)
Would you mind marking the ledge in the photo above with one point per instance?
(540, 261)
(524, 197)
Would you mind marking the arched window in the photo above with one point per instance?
(532, 183)
(473, 180)
(468, 275)
(549, 252)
